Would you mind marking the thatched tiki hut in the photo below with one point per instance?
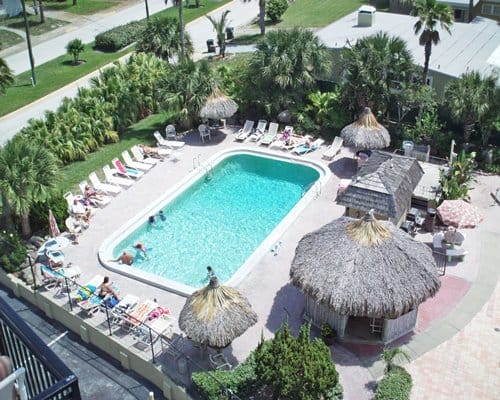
(218, 106)
(365, 277)
(366, 133)
(216, 315)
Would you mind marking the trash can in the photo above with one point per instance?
(430, 219)
(210, 46)
(229, 33)
(408, 147)
(366, 15)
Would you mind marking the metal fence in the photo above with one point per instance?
(47, 377)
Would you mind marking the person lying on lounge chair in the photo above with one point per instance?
(152, 152)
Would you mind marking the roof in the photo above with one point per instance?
(458, 3)
(469, 46)
(385, 183)
(364, 268)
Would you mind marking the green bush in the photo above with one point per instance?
(39, 213)
(120, 36)
(396, 385)
(12, 251)
(238, 380)
(275, 9)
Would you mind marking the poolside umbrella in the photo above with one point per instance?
(364, 268)
(54, 229)
(366, 133)
(459, 213)
(216, 315)
(218, 106)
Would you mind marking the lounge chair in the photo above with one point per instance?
(129, 163)
(282, 140)
(169, 144)
(127, 303)
(244, 132)
(138, 315)
(333, 149)
(126, 171)
(219, 362)
(271, 134)
(74, 228)
(259, 131)
(116, 180)
(57, 278)
(94, 302)
(139, 156)
(304, 149)
(100, 201)
(204, 132)
(103, 187)
(161, 326)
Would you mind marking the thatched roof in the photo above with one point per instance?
(366, 133)
(385, 183)
(218, 106)
(216, 315)
(364, 268)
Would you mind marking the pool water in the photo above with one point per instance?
(220, 220)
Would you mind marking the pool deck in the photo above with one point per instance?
(466, 287)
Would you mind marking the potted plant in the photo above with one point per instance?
(328, 334)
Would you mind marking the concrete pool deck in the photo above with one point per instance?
(267, 285)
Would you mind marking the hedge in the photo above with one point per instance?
(395, 385)
(120, 36)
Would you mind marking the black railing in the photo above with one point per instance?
(47, 377)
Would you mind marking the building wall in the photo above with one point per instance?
(489, 9)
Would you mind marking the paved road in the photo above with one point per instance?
(200, 30)
(99, 376)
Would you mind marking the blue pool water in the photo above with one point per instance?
(221, 220)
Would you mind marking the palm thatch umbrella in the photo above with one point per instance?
(364, 268)
(216, 315)
(218, 106)
(366, 133)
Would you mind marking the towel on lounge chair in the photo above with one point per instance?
(85, 292)
(126, 171)
(303, 148)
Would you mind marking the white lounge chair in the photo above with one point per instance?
(333, 149)
(103, 187)
(161, 326)
(270, 135)
(244, 132)
(139, 156)
(283, 138)
(304, 149)
(134, 164)
(116, 180)
(100, 200)
(259, 131)
(169, 144)
(121, 170)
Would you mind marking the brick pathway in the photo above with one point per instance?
(463, 367)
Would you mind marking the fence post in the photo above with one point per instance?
(30, 261)
(67, 292)
(107, 319)
(152, 347)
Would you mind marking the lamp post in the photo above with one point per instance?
(28, 42)
(147, 9)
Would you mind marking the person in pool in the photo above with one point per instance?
(125, 258)
(210, 272)
(152, 220)
(140, 246)
(161, 215)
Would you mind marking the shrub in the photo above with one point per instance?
(396, 385)
(120, 36)
(39, 213)
(238, 380)
(275, 9)
(12, 251)
(75, 47)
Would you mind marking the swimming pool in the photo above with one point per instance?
(218, 218)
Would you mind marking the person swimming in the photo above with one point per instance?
(151, 220)
(161, 215)
(210, 272)
(142, 249)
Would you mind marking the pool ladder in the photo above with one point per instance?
(207, 169)
(315, 187)
(196, 161)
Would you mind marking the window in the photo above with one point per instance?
(458, 15)
(429, 80)
(491, 9)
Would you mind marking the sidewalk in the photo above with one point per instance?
(200, 30)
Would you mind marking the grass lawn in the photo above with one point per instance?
(8, 38)
(51, 76)
(317, 13)
(249, 38)
(141, 132)
(82, 7)
(36, 28)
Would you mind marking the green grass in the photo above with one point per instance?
(36, 28)
(51, 76)
(59, 72)
(249, 38)
(82, 7)
(141, 132)
(8, 38)
(317, 13)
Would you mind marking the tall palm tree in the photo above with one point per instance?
(6, 76)
(470, 99)
(220, 26)
(430, 13)
(28, 173)
(181, 28)
(161, 36)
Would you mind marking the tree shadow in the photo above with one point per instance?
(288, 305)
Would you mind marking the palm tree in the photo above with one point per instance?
(390, 355)
(220, 28)
(287, 64)
(6, 76)
(430, 13)
(28, 173)
(161, 36)
(181, 29)
(470, 99)
(75, 47)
